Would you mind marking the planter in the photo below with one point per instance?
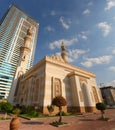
(14, 124)
(59, 124)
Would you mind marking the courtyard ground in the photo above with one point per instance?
(82, 122)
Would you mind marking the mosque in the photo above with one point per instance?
(53, 76)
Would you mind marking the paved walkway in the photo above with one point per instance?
(83, 122)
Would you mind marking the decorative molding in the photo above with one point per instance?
(57, 87)
(82, 79)
(56, 58)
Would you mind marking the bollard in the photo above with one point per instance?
(14, 124)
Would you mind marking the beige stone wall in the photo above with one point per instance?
(52, 73)
(33, 86)
(113, 94)
(74, 91)
(56, 110)
(81, 109)
(85, 95)
(48, 78)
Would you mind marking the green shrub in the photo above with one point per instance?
(0, 105)
(50, 108)
(56, 123)
(62, 113)
(73, 110)
(6, 107)
(33, 113)
(101, 106)
(25, 109)
(16, 111)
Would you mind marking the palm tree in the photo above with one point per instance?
(59, 101)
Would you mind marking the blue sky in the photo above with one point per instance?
(87, 28)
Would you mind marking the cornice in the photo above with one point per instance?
(74, 70)
(79, 74)
(70, 68)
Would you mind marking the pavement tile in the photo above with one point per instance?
(83, 122)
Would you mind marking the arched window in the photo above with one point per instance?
(95, 94)
(84, 93)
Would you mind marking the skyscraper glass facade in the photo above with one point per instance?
(13, 28)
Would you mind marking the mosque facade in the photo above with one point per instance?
(53, 76)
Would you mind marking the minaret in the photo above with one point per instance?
(25, 50)
(63, 53)
(22, 64)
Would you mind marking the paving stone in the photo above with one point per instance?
(89, 122)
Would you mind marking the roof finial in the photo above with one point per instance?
(63, 53)
(63, 46)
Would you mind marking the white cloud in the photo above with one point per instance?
(70, 59)
(105, 27)
(110, 49)
(113, 52)
(64, 24)
(53, 13)
(98, 60)
(113, 18)
(110, 4)
(111, 83)
(112, 68)
(90, 3)
(83, 35)
(50, 29)
(87, 64)
(57, 44)
(86, 12)
(74, 54)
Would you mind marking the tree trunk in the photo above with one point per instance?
(102, 114)
(60, 114)
(5, 115)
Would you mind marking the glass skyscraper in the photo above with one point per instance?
(13, 28)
